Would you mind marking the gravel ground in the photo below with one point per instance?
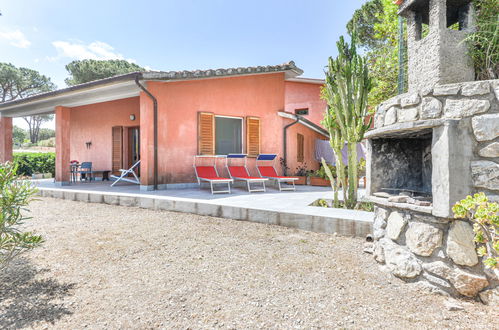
(115, 267)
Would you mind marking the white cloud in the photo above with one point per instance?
(16, 38)
(96, 50)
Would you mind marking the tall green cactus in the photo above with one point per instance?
(346, 89)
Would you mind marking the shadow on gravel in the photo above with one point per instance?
(25, 300)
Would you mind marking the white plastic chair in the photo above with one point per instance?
(124, 174)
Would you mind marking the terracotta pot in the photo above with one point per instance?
(315, 181)
(302, 180)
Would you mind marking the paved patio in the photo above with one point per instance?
(286, 208)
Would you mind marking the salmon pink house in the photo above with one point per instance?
(166, 118)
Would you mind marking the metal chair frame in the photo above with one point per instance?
(212, 182)
(248, 180)
(276, 179)
(124, 173)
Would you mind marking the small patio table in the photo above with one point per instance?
(73, 172)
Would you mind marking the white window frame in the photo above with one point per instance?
(242, 130)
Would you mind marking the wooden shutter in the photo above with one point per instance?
(300, 148)
(252, 136)
(117, 149)
(206, 133)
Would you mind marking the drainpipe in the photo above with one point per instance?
(155, 123)
(285, 153)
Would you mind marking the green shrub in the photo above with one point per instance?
(29, 163)
(483, 43)
(15, 195)
(47, 143)
(485, 218)
(321, 172)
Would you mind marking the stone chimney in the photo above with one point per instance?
(437, 54)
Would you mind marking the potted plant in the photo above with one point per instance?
(320, 178)
(301, 173)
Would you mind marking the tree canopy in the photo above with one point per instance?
(21, 82)
(363, 21)
(376, 27)
(89, 70)
(18, 83)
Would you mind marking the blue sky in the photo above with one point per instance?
(172, 34)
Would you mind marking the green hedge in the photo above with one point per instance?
(34, 162)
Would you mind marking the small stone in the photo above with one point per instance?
(426, 91)
(382, 194)
(422, 239)
(468, 284)
(490, 297)
(368, 247)
(394, 101)
(485, 174)
(446, 90)
(437, 280)
(391, 116)
(422, 203)
(411, 200)
(381, 213)
(495, 87)
(491, 150)
(476, 88)
(400, 260)
(378, 234)
(464, 108)
(439, 268)
(465, 283)
(378, 253)
(461, 245)
(453, 305)
(398, 199)
(410, 100)
(486, 127)
(379, 223)
(431, 108)
(379, 120)
(409, 114)
(430, 219)
(395, 224)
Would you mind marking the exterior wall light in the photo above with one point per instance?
(132, 117)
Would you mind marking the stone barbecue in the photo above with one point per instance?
(430, 148)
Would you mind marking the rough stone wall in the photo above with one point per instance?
(440, 57)
(425, 247)
(475, 104)
(436, 253)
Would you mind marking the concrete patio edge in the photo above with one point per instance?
(316, 223)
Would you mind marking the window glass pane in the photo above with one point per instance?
(228, 133)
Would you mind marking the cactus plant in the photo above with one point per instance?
(346, 90)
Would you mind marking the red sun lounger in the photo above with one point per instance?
(240, 172)
(208, 173)
(266, 169)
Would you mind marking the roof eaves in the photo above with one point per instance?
(90, 84)
(304, 122)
